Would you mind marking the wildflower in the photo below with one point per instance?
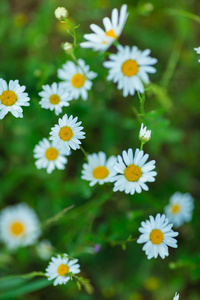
(98, 169)
(133, 172)
(157, 236)
(129, 68)
(68, 47)
(54, 97)
(19, 226)
(61, 13)
(49, 156)
(67, 134)
(176, 297)
(44, 249)
(179, 209)
(76, 78)
(197, 51)
(144, 134)
(102, 40)
(12, 97)
(60, 268)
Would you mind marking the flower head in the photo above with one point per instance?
(133, 172)
(54, 97)
(103, 39)
(19, 226)
(179, 209)
(176, 297)
(129, 68)
(49, 156)
(44, 249)
(197, 51)
(12, 97)
(60, 13)
(144, 134)
(60, 267)
(157, 236)
(76, 78)
(68, 47)
(67, 134)
(98, 169)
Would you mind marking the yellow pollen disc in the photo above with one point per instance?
(51, 153)
(130, 68)
(132, 173)
(100, 172)
(17, 228)
(175, 208)
(78, 80)
(156, 236)
(65, 133)
(8, 98)
(111, 33)
(63, 270)
(54, 99)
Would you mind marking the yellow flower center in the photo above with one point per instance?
(17, 228)
(63, 270)
(51, 153)
(65, 133)
(100, 172)
(175, 208)
(156, 236)
(132, 173)
(8, 98)
(111, 33)
(130, 68)
(54, 99)
(78, 80)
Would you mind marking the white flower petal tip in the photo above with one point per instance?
(101, 40)
(176, 297)
(12, 97)
(157, 235)
(60, 267)
(144, 134)
(180, 208)
(129, 68)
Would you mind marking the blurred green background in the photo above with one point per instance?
(31, 51)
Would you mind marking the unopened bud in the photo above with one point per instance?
(144, 134)
(61, 13)
(68, 47)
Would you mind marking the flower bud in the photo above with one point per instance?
(68, 47)
(61, 13)
(144, 134)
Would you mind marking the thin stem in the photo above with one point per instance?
(84, 152)
(73, 33)
(141, 147)
(142, 100)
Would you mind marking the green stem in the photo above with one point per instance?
(142, 100)
(141, 147)
(84, 152)
(28, 275)
(73, 33)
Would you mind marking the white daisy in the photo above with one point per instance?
(44, 249)
(12, 97)
(176, 297)
(98, 169)
(103, 39)
(19, 226)
(129, 68)
(157, 236)
(76, 78)
(61, 13)
(197, 51)
(67, 133)
(133, 172)
(180, 208)
(60, 267)
(144, 134)
(54, 97)
(49, 156)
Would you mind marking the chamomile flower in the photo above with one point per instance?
(133, 172)
(54, 97)
(67, 133)
(144, 134)
(180, 208)
(60, 267)
(197, 51)
(19, 226)
(98, 169)
(176, 297)
(49, 156)
(76, 78)
(102, 39)
(130, 68)
(12, 97)
(157, 236)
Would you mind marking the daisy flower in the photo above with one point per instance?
(197, 51)
(67, 133)
(179, 209)
(12, 97)
(129, 68)
(54, 97)
(60, 267)
(176, 297)
(19, 226)
(76, 78)
(133, 172)
(144, 134)
(157, 236)
(98, 169)
(49, 156)
(103, 39)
